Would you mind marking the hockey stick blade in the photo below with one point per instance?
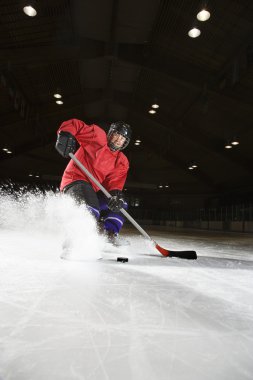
(189, 255)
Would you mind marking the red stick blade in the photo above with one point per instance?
(163, 251)
(189, 255)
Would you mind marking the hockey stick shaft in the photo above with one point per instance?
(163, 251)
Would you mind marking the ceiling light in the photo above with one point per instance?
(203, 15)
(194, 166)
(155, 105)
(138, 141)
(194, 32)
(5, 149)
(167, 186)
(30, 175)
(29, 11)
(190, 168)
(235, 142)
(9, 152)
(59, 102)
(57, 96)
(160, 186)
(228, 146)
(152, 111)
(37, 176)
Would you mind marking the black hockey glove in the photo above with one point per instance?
(66, 143)
(116, 202)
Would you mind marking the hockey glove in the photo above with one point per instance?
(116, 202)
(66, 143)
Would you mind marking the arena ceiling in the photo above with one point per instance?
(111, 60)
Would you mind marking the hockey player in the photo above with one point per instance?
(102, 155)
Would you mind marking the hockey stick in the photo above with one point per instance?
(190, 255)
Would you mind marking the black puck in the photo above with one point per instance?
(122, 259)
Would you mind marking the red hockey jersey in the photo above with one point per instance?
(109, 168)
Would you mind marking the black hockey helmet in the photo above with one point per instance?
(122, 129)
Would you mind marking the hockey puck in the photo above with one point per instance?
(122, 259)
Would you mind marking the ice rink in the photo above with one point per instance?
(150, 318)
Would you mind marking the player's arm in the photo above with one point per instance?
(114, 183)
(72, 133)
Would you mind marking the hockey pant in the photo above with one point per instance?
(83, 192)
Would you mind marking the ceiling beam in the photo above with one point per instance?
(111, 52)
(31, 144)
(164, 151)
(177, 70)
(210, 144)
(71, 104)
(189, 132)
(42, 55)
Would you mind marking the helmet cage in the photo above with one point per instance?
(121, 129)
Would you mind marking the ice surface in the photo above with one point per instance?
(150, 318)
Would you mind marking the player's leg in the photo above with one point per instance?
(83, 193)
(112, 221)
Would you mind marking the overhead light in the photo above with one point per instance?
(138, 141)
(152, 111)
(194, 32)
(8, 152)
(125, 189)
(190, 168)
(194, 166)
(203, 15)
(37, 176)
(167, 186)
(235, 142)
(5, 149)
(155, 105)
(30, 11)
(228, 146)
(57, 96)
(30, 175)
(160, 186)
(59, 102)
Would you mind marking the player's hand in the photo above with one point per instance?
(116, 202)
(66, 143)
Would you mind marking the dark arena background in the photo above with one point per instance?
(180, 73)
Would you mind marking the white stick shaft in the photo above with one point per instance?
(108, 195)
